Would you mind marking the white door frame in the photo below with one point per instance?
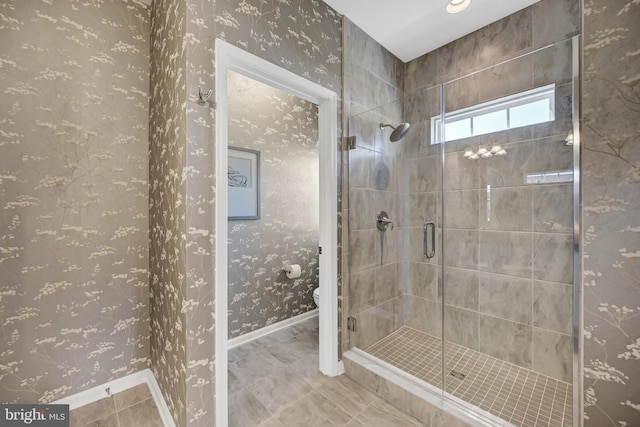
(231, 58)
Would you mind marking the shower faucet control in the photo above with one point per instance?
(383, 221)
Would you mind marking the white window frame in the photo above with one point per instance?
(547, 92)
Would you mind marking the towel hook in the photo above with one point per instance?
(202, 98)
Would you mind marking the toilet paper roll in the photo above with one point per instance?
(293, 271)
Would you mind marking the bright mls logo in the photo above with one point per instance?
(34, 415)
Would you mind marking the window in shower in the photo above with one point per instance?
(522, 109)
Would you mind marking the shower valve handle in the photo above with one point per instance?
(383, 221)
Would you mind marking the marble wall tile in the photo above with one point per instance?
(553, 208)
(365, 249)
(366, 332)
(553, 306)
(506, 340)
(458, 57)
(419, 142)
(385, 172)
(421, 105)
(361, 166)
(463, 249)
(506, 209)
(553, 64)
(420, 279)
(366, 89)
(386, 283)
(555, 20)
(424, 174)
(388, 242)
(387, 317)
(422, 207)
(553, 354)
(461, 326)
(512, 77)
(421, 72)
(462, 209)
(506, 253)
(553, 258)
(461, 173)
(361, 290)
(461, 288)
(366, 128)
(506, 297)
(461, 93)
(502, 38)
(422, 314)
(362, 208)
(366, 52)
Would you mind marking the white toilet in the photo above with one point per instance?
(316, 296)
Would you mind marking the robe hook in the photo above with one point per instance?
(202, 98)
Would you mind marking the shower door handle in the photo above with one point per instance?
(425, 233)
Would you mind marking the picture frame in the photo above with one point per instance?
(243, 184)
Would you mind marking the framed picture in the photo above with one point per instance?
(243, 179)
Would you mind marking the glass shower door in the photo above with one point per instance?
(508, 238)
(394, 290)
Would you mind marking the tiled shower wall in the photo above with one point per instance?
(508, 272)
(373, 89)
(284, 129)
(74, 111)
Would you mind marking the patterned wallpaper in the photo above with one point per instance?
(74, 310)
(284, 128)
(611, 170)
(167, 203)
(302, 36)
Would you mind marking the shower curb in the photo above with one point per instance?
(421, 401)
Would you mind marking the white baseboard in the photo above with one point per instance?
(116, 386)
(254, 335)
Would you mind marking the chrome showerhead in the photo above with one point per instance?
(398, 132)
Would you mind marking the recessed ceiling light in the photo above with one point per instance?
(455, 6)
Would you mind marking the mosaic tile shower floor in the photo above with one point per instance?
(518, 395)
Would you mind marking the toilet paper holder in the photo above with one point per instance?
(292, 271)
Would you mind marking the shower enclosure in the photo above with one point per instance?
(471, 294)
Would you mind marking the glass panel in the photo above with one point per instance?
(507, 234)
(393, 289)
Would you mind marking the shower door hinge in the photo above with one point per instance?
(348, 142)
(319, 250)
(351, 324)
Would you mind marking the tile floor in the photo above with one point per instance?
(518, 395)
(132, 407)
(274, 382)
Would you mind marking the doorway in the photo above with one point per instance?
(232, 59)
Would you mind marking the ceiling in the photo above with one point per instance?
(411, 28)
